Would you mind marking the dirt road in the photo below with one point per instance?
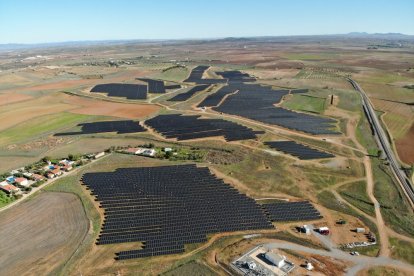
(385, 249)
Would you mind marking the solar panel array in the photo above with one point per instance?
(172, 86)
(291, 211)
(215, 98)
(299, 91)
(298, 150)
(126, 126)
(154, 86)
(236, 76)
(129, 91)
(256, 102)
(193, 127)
(168, 207)
(197, 74)
(186, 95)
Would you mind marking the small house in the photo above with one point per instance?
(56, 172)
(22, 181)
(67, 168)
(149, 152)
(38, 177)
(132, 150)
(8, 188)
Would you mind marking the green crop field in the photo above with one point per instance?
(41, 126)
(306, 103)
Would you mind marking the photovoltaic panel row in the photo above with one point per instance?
(291, 211)
(193, 127)
(299, 91)
(126, 126)
(173, 86)
(257, 103)
(236, 76)
(129, 91)
(215, 98)
(154, 86)
(197, 74)
(186, 95)
(168, 207)
(298, 150)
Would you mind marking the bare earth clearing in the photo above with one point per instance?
(32, 248)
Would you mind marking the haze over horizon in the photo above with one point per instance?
(48, 21)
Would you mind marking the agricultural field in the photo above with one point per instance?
(260, 122)
(29, 244)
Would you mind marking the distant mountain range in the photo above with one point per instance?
(362, 35)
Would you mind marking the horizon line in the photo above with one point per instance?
(195, 38)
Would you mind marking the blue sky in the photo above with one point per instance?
(38, 21)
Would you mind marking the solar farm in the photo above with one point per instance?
(215, 98)
(291, 211)
(185, 155)
(186, 95)
(298, 150)
(184, 127)
(154, 86)
(129, 91)
(256, 102)
(120, 127)
(196, 76)
(169, 206)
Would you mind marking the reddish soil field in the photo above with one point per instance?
(12, 98)
(405, 147)
(39, 235)
(122, 76)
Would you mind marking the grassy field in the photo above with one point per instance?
(364, 135)
(176, 74)
(192, 268)
(394, 207)
(42, 126)
(356, 194)
(306, 103)
(382, 271)
(402, 250)
(260, 181)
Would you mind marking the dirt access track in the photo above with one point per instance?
(40, 234)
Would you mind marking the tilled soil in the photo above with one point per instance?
(40, 234)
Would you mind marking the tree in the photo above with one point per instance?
(46, 158)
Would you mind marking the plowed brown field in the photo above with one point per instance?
(39, 235)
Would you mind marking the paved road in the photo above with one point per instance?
(384, 144)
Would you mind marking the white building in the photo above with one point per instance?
(276, 259)
(99, 155)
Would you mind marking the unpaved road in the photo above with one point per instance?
(385, 248)
(41, 234)
(360, 262)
